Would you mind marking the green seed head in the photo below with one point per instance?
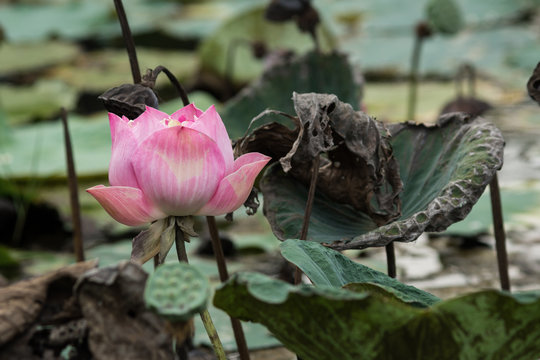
(444, 16)
(177, 291)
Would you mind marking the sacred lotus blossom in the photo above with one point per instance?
(177, 165)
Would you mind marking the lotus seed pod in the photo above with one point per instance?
(444, 16)
(177, 291)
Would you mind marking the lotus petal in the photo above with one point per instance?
(123, 145)
(126, 205)
(210, 124)
(179, 169)
(234, 189)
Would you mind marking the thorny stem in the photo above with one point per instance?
(309, 207)
(223, 276)
(180, 241)
(128, 39)
(390, 259)
(500, 237)
(413, 81)
(174, 81)
(73, 192)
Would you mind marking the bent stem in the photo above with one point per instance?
(309, 207)
(128, 40)
(174, 81)
(73, 192)
(239, 336)
(181, 238)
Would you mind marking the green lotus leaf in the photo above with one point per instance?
(327, 267)
(247, 26)
(484, 325)
(444, 170)
(312, 72)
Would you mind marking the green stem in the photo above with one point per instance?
(213, 335)
(413, 81)
(239, 336)
(181, 237)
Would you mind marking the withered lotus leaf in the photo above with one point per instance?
(357, 166)
(444, 169)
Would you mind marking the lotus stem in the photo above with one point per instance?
(213, 335)
(181, 238)
(413, 80)
(239, 336)
(128, 40)
(309, 207)
(391, 259)
(174, 81)
(73, 192)
(500, 236)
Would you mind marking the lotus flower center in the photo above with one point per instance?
(170, 122)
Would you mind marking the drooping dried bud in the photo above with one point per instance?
(533, 85)
(301, 11)
(129, 100)
(259, 49)
(283, 10)
(423, 30)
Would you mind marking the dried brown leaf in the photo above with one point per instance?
(120, 326)
(357, 163)
(21, 303)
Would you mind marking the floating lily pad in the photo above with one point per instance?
(25, 22)
(21, 58)
(103, 70)
(483, 325)
(81, 19)
(250, 25)
(38, 150)
(40, 100)
(313, 72)
(444, 170)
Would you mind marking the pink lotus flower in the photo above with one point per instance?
(177, 165)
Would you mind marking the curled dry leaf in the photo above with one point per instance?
(357, 166)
